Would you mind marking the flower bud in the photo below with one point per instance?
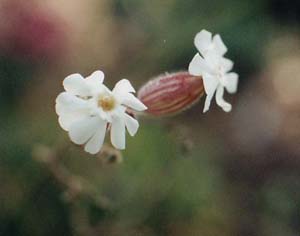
(171, 93)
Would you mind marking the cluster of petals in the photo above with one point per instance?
(88, 109)
(214, 68)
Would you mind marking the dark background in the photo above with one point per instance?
(191, 174)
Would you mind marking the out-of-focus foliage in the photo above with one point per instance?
(193, 174)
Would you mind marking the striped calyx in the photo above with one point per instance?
(171, 93)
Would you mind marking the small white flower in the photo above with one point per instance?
(88, 107)
(214, 68)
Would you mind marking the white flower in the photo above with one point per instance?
(214, 68)
(88, 107)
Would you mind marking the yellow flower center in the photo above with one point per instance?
(107, 103)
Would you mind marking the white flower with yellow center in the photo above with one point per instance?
(214, 68)
(87, 108)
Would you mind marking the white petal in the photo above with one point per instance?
(132, 124)
(76, 85)
(70, 109)
(123, 86)
(96, 77)
(117, 133)
(220, 100)
(213, 61)
(131, 101)
(95, 82)
(66, 120)
(94, 145)
(208, 101)
(66, 102)
(81, 131)
(219, 45)
(203, 41)
(231, 82)
(198, 66)
(227, 64)
(210, 83)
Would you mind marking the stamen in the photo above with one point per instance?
(107, 103)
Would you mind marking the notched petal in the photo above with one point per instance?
(76, 85)
(198, 66)
(131, 101)
(203, 41)
(220, 100)
(81, 131)
(94, 145)
(219, 45)
(117, 133)
(231, 82)
(123, 86)
(132, 124)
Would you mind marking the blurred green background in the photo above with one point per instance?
(192, 174)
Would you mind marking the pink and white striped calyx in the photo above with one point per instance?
(169, 94)
(87, 108)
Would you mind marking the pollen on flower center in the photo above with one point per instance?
(107, 103)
